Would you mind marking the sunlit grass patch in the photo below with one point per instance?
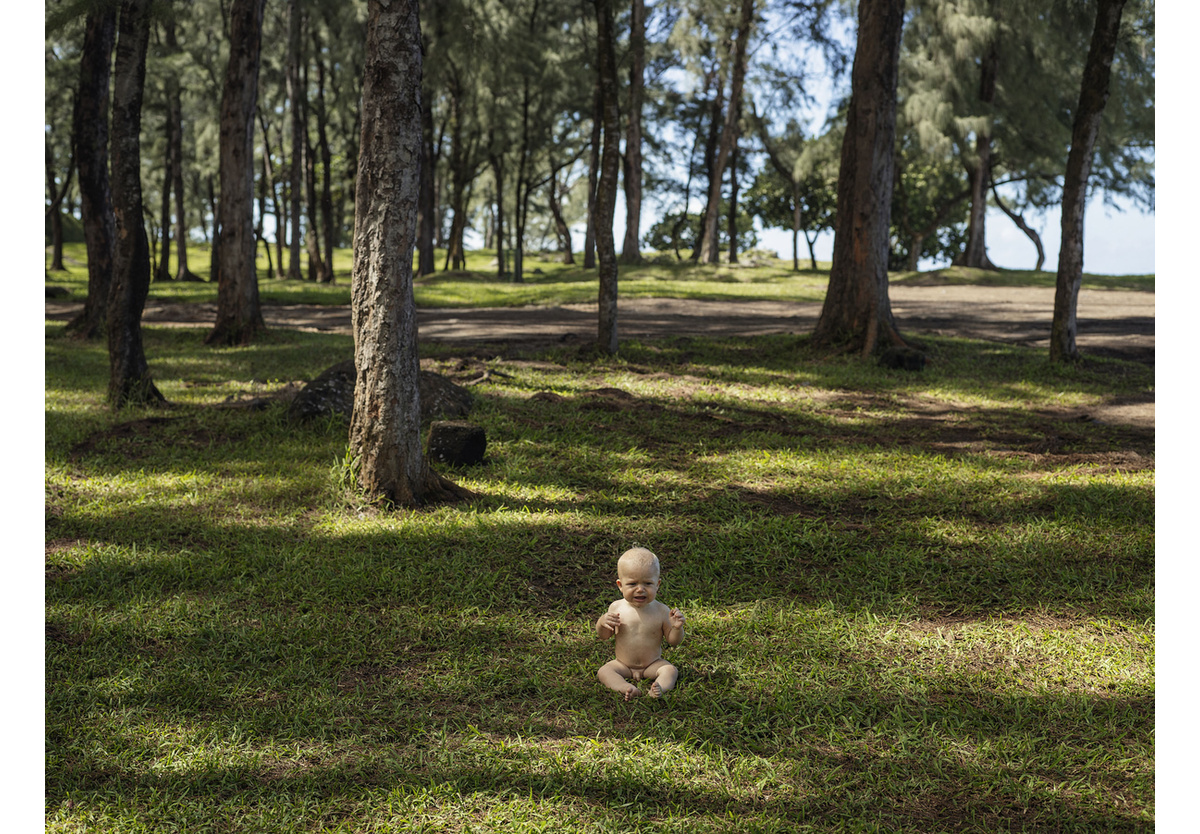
(907, 609)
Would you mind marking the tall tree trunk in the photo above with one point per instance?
(90, 130)
(979, 170)
(1093, 97)
(299, 139)
(733, 195)
(709, 250)
(239, 315)
(606, 188)
(385, 429)
(498, 174)
(589, 238)
(276, 200)
(54, 210)
(162, 273)
(326, 199)
(631, 247)
(561, 230)
(857, 312)
(175, 138)
(711, 144)
(129, 379)
(427, 197)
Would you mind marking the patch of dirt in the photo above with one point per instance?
(1112, 323)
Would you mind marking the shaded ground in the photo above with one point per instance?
(1112, 323)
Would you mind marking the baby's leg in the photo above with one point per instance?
(613, 674)
(664, 678)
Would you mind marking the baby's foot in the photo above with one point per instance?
(632, 692)
(657, 690)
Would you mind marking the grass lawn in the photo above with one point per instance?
(916, 602)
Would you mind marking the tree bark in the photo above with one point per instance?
(427, 209)
(175, 138)
(1093, 96)
(54, 210)
(299, 140)
(129, 378)
(631, 247)
(979, 171)
(385, 427)
(709, 250)
(606, 187)
(239, 315)
(589, 238)
(91, 158)
(857, 313)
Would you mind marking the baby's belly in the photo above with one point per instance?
(632, 654)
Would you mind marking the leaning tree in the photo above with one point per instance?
(385, 427)
(1093, 96)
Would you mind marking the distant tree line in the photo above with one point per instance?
(522, 124)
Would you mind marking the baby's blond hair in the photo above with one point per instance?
(638, 557)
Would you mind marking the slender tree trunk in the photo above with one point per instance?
(326, 198)
(561, 230)
(631, 247)
(90, 129)
(711, 144)
(733, 197)
(709, 250)
(239, 315)
(589, 240)
(857, 312)
(175, 137)
(299, 139)
(276, 200)
(129, 379)
(606, 188)
(1093, 97)
(979, 171)
(1020, 223)
(427, 208)
(501, 255)
(385, 430)
(55, 210)
(162, 273)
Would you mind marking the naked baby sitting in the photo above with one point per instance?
(640, 623)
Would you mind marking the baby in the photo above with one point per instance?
(640, 623)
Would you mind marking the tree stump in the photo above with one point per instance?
(456, 442)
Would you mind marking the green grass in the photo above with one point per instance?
(916, 602)
(548, 281)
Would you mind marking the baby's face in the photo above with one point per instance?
(639, 585)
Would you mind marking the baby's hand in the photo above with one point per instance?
(677, 618)
(612, 622)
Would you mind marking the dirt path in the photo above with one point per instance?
(1112, 323)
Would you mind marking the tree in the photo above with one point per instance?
(857, 313)
(239, 315)
(1093, 96)
(796, 191)
(91, 158)
(385, 427)
(709, 252)
(129, 374)
(630, 250)
(606, 186)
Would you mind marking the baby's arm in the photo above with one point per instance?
(673, 627)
